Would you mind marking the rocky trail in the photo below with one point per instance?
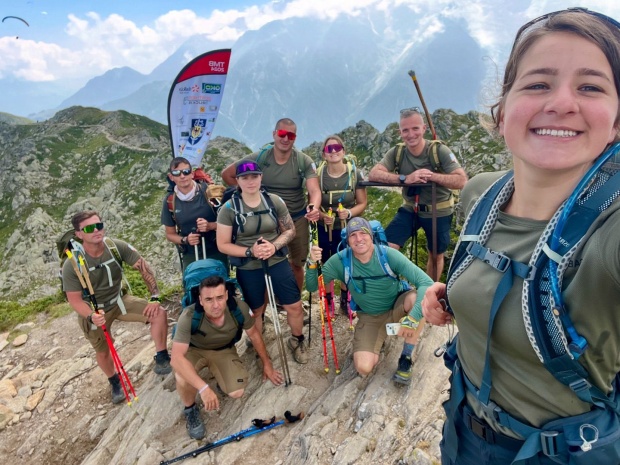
(55, 405)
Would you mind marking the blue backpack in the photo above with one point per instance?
(551, 331)
(381, 244)
(193, 275)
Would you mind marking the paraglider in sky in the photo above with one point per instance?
(16, 17)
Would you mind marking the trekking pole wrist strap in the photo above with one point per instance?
(89, 318)
(155, 298)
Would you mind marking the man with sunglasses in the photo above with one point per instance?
(189, 217)
(416, 165)
(285, 170)
(105, 274)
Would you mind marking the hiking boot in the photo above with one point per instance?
(403, 372)
(162, 364)
(194, 424)
(116, 390)
(299, 349)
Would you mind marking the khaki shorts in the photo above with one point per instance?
(135, 308)
(370, 330)
(225, 365)
(298, 248)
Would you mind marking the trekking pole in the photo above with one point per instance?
(324, 309)
(434, 269)
(433, 203)
(276, 322)
(194, 230)
(343, 224)
(428, 116)
(258, 426)
(204, 248)
(310, 207)
(330, 231)
(118, 365)
(329, 323)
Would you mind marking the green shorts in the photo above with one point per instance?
(135, 309)
(225, 365)
(370, 330)
(298, 248)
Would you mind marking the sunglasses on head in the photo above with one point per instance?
(333, 148)
(282, 133)
(249, 166)
(577, 9)
(410, 110)
(88, 229)
(186, 172)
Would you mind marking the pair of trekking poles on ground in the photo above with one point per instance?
(81, 270)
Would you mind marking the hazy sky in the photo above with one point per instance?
(69, 39)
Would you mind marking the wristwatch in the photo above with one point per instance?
(402, 178)
(183, 240)
(248, 252)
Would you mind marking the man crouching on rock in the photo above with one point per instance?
(213, 345)
(103, 258)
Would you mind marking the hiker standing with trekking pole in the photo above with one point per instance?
(255, 225)
(189, 216)
(105, 275)
(421, 162)
(380, 298)
(342, 195)
(534, 283)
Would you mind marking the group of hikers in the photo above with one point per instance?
(532, 285)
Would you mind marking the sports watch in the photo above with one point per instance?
(248, 252)
(402, 178)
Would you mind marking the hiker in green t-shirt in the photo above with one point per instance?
(413, 163)
(285, 172)
(342, 198)
(105, 274)
(532, 283)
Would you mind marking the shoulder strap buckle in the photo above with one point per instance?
(497, 260)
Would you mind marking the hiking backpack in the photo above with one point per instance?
(193, 275)
(69, 241)
(351, 179)
(435, 166)
(236, 204)
(550, 330)
(298, 157)
(214, 194)
(380, 244)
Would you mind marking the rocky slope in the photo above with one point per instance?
(55, 408)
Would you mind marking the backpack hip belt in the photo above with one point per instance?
(429, 208)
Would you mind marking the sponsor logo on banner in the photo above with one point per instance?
(198, 125)
(196, 100)
(196, 88)
(211, 88)
(212, 107)
(202, 109)
(217, 66)
(184, 90)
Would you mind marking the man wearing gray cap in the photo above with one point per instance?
(380, 296)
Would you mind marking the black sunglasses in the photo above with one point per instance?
(577, 9)
(186, 172)
(90, 228)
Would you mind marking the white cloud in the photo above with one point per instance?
(98, 44)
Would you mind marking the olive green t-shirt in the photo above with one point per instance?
(287, 180)
(213, 337)
(104, 293)
(255, 226)
(409, 164)
(521, 385)
(335, 189)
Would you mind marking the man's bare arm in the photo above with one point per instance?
(148, 275)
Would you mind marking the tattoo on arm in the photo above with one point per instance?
(148, 275)
(287, 231)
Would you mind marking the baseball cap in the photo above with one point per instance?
(245, 167)
(358, 224)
